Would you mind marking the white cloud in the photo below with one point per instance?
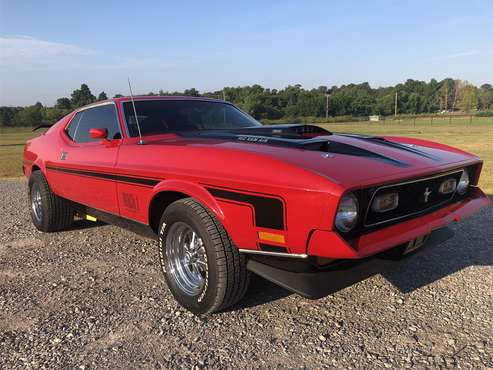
(461, 54)
(25, 51)
(29, 53)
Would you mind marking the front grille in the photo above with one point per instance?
(415, 197)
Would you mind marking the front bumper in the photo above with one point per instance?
(317, 284)
(330, 244)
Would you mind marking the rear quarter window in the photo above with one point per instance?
(72, 127)
(98, 117)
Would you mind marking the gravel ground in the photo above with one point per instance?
(93, 297)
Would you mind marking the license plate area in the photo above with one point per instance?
(416, 243)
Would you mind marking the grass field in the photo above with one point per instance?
(474, 136)
(11, 146)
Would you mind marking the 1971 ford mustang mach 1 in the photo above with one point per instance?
(225, 195)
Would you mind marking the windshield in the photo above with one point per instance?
(163, 116)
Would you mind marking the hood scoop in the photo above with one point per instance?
(293, 131)
(335, 147)
(305, 137)
(384, 142)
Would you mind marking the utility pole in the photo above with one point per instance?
(327, 106)
(395, 110)
(224, 95)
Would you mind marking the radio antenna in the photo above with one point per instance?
(141, 141)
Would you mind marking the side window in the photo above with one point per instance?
(98, 117)
(72, 127)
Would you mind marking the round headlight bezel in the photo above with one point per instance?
(347, 214)
(463, 183)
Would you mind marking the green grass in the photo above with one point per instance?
(11, 147)
(475, 137)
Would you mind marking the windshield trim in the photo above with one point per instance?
(127, 131)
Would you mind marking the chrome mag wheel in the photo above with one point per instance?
(186, 258)
(36, 204)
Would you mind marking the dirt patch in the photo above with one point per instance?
(94, 297)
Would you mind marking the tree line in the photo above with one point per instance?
(293, 102)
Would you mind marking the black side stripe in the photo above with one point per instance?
(269, 212)
(107, 176)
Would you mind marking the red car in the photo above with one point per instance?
(225, 195)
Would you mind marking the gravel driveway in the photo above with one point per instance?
(94, 297)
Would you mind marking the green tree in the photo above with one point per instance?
(29, 116)
(102, 96)
(63, 103)
(468, 98)
(446, 94)
(191, 92)
(292, 102)
(385, 105)
(414, 103)
(52, 115)
(485, 96)
(82, 96)
(7, 115)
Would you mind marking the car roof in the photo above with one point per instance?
(152, 97)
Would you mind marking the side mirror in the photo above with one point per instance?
(98, 133)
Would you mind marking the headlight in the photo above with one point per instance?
(347, 213)
(463, 183)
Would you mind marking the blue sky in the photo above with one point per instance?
(48, 48)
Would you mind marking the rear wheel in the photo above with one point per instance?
(49, 212)
(204, 270)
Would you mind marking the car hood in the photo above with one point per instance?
(346, 159)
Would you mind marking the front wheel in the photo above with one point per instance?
(49, 212)
(204, 270)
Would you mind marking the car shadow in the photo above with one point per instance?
(260, 292)
(438, 261)
(80, 224)
(469, 245)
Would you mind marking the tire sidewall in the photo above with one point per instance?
(36, 181)
(207, 298)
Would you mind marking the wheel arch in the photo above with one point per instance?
(169, 191)
(37, 165)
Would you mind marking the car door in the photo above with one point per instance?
(85, 166)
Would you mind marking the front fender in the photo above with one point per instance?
(193, 190)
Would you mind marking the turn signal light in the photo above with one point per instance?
(271, 237)
(385, 202)
(448, 186)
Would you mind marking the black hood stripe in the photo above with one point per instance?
(287, 136)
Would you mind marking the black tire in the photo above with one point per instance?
(54, 213)
(226, 278)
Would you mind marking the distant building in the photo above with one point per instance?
(374, 118)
